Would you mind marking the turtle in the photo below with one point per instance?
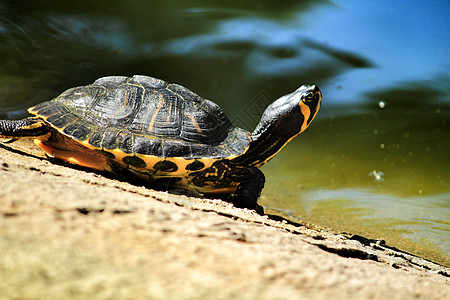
(144, 128)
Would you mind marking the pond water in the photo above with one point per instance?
(375, 162)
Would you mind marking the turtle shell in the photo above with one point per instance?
(145, 117)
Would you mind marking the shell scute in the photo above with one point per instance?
(127, 141)
(61, 119)
(80, 131)
(147, 146)
(148, 82)
(184, 93)
(134, 161)
(166, 166)
(45, 109)
(196, 165)
(96, 138)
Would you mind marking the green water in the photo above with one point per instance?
(375, 161)
(356, 175)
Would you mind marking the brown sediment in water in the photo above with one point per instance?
(72, 234)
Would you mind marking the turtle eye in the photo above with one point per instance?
(310, 97)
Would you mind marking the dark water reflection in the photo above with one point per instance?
(376, 162)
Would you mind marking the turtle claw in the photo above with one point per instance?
(9, 141)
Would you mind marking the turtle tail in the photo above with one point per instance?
(29, 127)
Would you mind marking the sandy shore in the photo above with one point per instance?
(67, 233)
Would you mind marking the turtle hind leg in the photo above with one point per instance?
(16, 129)
(249, 190)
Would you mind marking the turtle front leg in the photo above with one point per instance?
(249, 190)
(221, 176)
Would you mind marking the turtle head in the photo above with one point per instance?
(291, 114)
(281, 121)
